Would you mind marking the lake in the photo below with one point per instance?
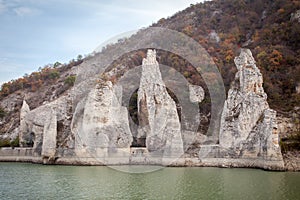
(33, 181)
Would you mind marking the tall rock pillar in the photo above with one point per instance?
(248, 125)
(49, 136)
(158, 118)
(23, 125)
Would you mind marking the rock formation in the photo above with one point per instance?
(158, 118)
(39, 126)
(104, 122)
(23, 126)
(296, 16)
(196, 93)
(245, 103)
(248, 125)
(100, 133)
(49, 136)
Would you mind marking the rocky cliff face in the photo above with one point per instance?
(245, 103)
(98, 129)
(248, 134)
(248, 125)
(40, 128)
(158, 118)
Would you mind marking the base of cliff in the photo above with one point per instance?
(28, 155)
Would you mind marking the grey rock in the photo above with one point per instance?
(23, 125)
(34, 123)
(49, 136)
(196, 93)
(213, 35)
(296, 16)
(101, 122)
(298, 88)
(157, 113)
(100, 131)
(248, 125)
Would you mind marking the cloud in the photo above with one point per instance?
(20, 8)
(26, 11)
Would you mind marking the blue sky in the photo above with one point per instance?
(34, 33)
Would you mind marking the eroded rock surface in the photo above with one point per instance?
(102, 122)
(158, 118)
(98, 128)
(23, 126)
(49, 136)
(248, 125)
(34, 124)
(196, 93)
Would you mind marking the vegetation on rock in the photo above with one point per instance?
(70, 80)
(9, 143)
(47, 75)
(2, 112)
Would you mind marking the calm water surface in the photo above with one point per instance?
(30, 181)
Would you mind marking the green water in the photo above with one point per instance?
(29, 181)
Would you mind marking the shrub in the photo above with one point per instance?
(70, 80)
(7, 143)
(4, 143)
(15, 142)
(79, 57)
(56, 64)
(54, 74)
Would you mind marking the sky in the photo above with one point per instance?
(34, 33)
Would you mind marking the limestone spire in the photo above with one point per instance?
(151, 58)
(248, 125)
(158, 118)
(23, 126)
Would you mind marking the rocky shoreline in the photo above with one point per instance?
(28, 156)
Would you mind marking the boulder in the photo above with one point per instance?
(196, 93)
